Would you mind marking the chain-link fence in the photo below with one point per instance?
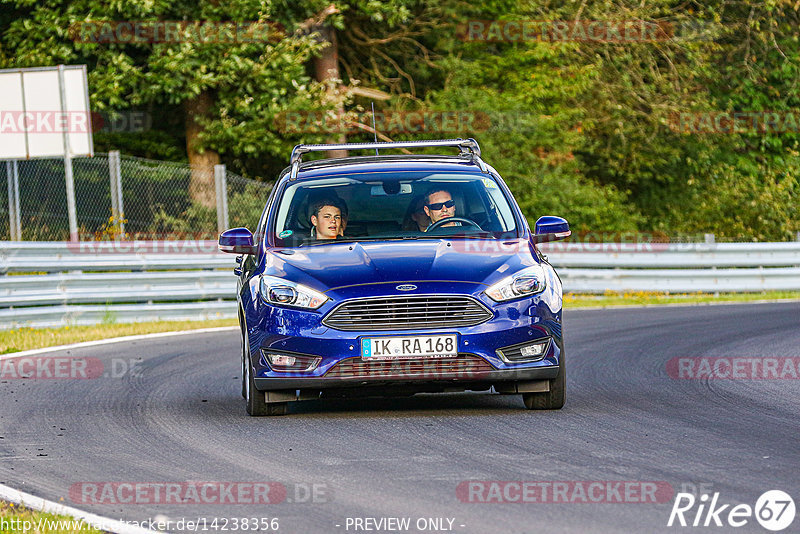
(136, 198)
(154, 200)
(5, 230)
(42, 200)
(246, 199)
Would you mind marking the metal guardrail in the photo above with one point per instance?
(93, 282)
(681, 280)
(88, 283)
(72, 288)
(53, 257)
(672, 255)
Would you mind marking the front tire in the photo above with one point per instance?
(255, 401)
(244, 369)
(553, 399)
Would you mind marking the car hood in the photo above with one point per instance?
(336, 265)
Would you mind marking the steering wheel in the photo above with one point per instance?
(446, 220)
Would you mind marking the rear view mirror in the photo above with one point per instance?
(237, 241)
(381, 190)
(550, 228)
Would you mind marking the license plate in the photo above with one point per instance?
(390, 348)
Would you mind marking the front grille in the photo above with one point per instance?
(465, 366)
(407, 313)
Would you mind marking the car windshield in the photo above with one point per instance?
(393, 205)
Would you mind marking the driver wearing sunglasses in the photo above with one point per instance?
(439, 205)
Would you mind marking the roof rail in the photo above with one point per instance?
(465, 146)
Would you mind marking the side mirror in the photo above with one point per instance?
(549, 228)
(237, 241)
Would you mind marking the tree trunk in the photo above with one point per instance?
(326, 69)
(201, 184)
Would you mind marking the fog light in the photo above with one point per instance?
(533, 350)
(291, 362)
(525, 352)
(281, 360)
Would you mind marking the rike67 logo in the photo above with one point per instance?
(774, 510)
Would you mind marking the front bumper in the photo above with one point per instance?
(289, 331)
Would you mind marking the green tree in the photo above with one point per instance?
(222, 92)
(586, 129)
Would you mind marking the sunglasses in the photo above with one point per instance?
(436, 206)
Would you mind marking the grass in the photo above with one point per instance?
(16, 518)
(648, 298)
(31, 338)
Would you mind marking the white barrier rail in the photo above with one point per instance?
(92, 282)
(672, 255)
(88, 283)
(68, 288)
(680, 280)
(35, 257)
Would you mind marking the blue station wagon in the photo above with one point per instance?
(386, 275)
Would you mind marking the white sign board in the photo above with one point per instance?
(44, 113)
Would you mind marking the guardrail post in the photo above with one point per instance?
(117, 208)
(221, 183)
(710, 239)
(14, 222)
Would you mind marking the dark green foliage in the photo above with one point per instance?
(585, 130)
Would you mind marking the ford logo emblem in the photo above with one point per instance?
(406, 287)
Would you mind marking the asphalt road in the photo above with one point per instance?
(180, 417)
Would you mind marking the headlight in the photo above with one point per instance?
(285, 293)
(528, 281)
